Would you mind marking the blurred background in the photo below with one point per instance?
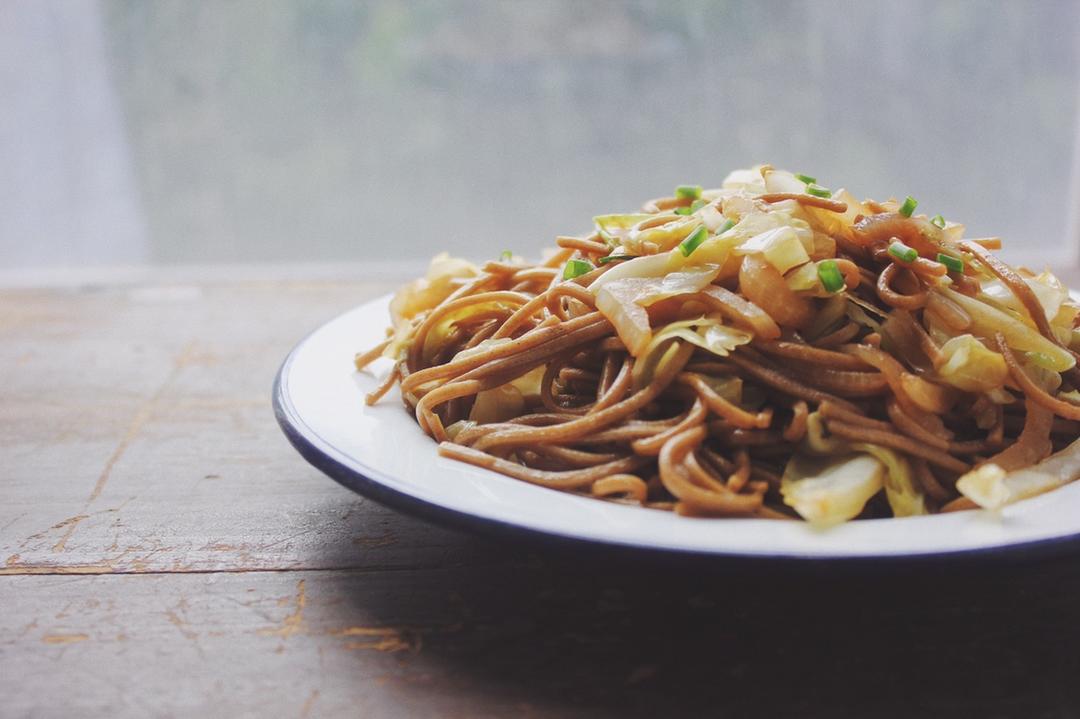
(370, 135)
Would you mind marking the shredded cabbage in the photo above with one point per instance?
(1047, 289)
(780, 246)
(665, 236)
(987, 320)
(709, 333)
(749, 180)
(623, 301)
(829, 490)
(444, 275)
(904, 496)
(991, 487)
(497, 405)
(970, 366)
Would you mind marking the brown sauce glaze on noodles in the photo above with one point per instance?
(768, 349)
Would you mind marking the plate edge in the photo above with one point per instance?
(318, 454)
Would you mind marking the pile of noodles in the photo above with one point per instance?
(766, 349)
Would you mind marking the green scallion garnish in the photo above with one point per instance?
(695, 238)
(682, 210)
(910, 203)
(902, 252)
(697, 205)
(688, 192)
(728, 224)
(953, 263)
(831, 277)
(938, 220)
(614, 258)
(818, 191)
(576, 268)
(506, 256)
(805, 179)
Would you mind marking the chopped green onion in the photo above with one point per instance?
(688, 192)
(728, 224)
(818, 191)
(953, 263)
(909, 206)
(829, 274)
(683, 210)
(614, 258)
(696, 238)
(506, 256)
(697, 205)
(902, 252)
(806, 179)
(938, 220)
(576, 268)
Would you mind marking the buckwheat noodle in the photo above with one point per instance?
(745, 334)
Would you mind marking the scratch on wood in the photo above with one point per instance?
(64, 638)
(68, 525)
(182, 626)
(137, 423)
(294, 622)
(12, 522)
(305, 711)
(382, 639)
(186, 357)
(375, 541)
(11, 569)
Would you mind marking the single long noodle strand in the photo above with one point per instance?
(618, 484)
(904, 444)
(618, 389)
(379, 392)
(364, 359)
(651, 446)
(804, 199)
(895, 299)
(734, 414)
(1033, 445)
(1033, 391)
(566, 480)
(787, 385)
(815, 355)
(913, 429)
(536, 304)
(830, 410)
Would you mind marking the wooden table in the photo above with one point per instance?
(165, 552)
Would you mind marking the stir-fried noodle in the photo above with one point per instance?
(767, 349)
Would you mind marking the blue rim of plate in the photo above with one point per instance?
(369, 482)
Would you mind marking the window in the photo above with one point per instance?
(177, 132)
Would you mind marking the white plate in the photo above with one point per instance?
(382, 453)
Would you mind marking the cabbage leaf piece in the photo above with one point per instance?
(829, 490)
(991, 487)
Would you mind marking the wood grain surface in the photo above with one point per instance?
(164, 552)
